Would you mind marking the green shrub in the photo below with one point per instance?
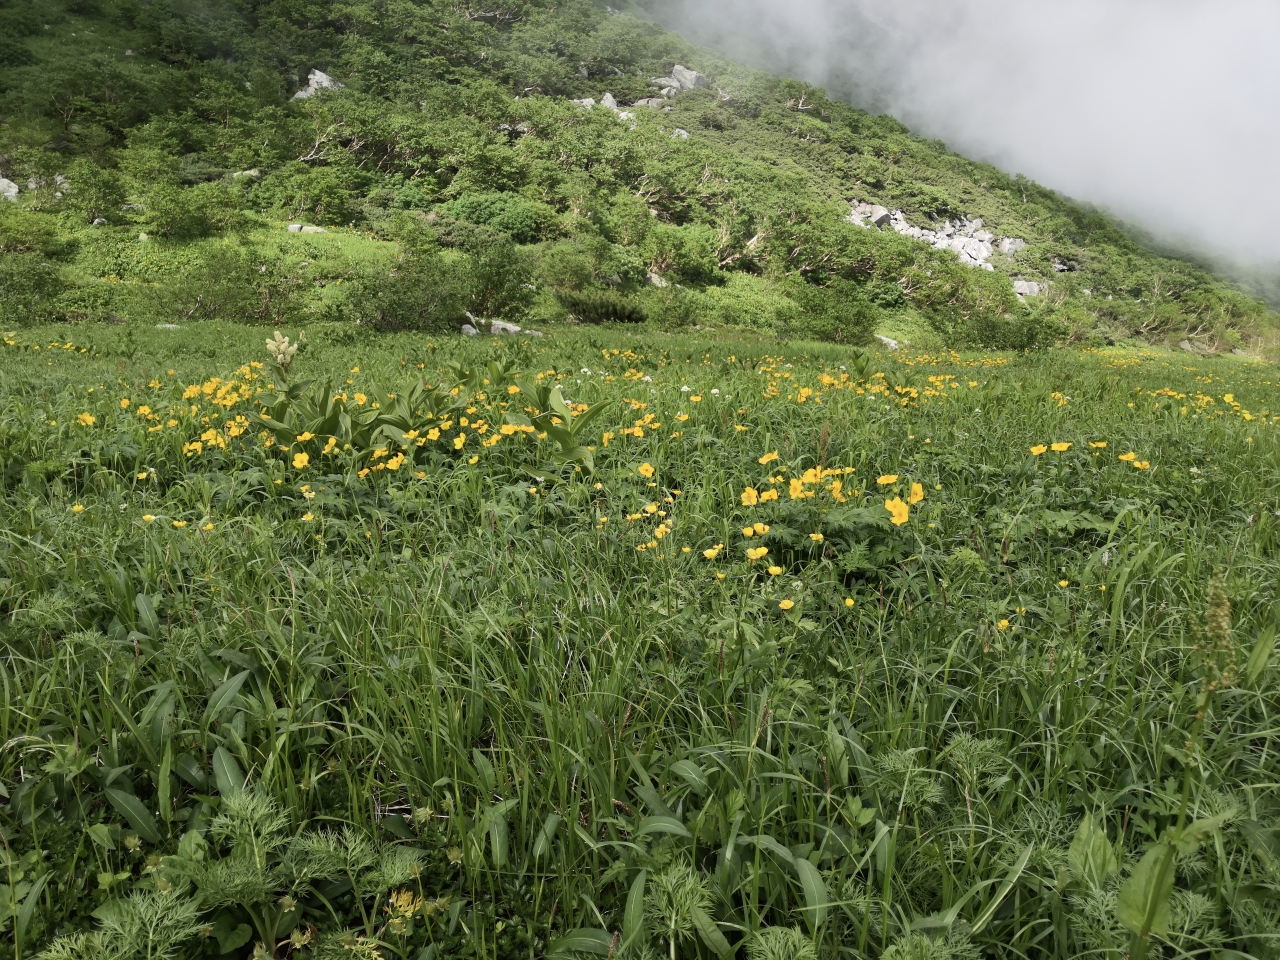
(526, 221)
(1020, 329)
(188, 213)
(423, 291)
(29, 285)
(839, 313)
(498, 276)
(686, 254)
(600, 306)
(746, 300)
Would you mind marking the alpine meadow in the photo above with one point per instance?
(500, 481)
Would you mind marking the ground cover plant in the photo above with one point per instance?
(611, 643)
(155, 151)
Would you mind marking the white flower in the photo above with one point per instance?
(715, 392)
(685, 388)
(647, 379)
(586, 371)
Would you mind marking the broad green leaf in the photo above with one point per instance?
(488, 778)
(710, 933)
(139, 817)
(633, 918)
(770, 845)
(546, 836)
(162, 782)
(1263, 647)
(815, 893)
(498, 839)
(29, 904)
(584, 940)
(653, 800)
(223, 696)
(101, 835)
(692, 774)
(226, 772)
(1143, 904)
(1191, 835)
(1091, 859)
(662, 825)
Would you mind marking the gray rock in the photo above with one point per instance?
(586, 103)
(986, 236)
(311, 229)
(657, 281)
(584, 73)
(316, 81)
(689, 79)
(99, 222)
(8, 189)
(1238, 352)
(128, 53)
(665, 82)
(1186, 345)
(1011, 245)
(652, 103)
(143, 238)
(295, 228)
(888, 342)
(878, 216)
(501, 327)
(608, 101)
(469, 331)
(532, 333)
(1026, 288)
(680, 134)
(166, 326)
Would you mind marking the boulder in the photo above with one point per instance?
(1011, 245)
(652, 103)
(501, 327)
(889, 342)
(99, 222)
(666, 83)
(311, 229)
(8, 189)
(1186, 345)
(608, 101)
(657, 281)
(680, 134)
(689, 79)
(878, 216)
(469, 331)
(586, 103)
(295, 228)
(1026, 288)
(316, 81)
(1238, 352)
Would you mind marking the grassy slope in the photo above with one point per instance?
(766, 157)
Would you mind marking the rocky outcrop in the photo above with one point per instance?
(317, 81)
(8, 190)
(681, 79)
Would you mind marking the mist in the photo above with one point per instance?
(1166, 113)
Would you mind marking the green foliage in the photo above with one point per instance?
(839, 313)
(524, 220)
(422, 291)
(600, 306)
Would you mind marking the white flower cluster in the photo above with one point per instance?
(281, 350)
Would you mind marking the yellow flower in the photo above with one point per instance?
(917, 494)
(179, 524)
(459, 440)
(1064, 583)
(1060, 447)
(785, 604)
(768, 495)
(645, 470)
(361, 399)
(899, 511)
(1098, 444)
(887, 479)
(207, 527)
(1128, 457)
(719, 576)
(304, 437)
(696, 398)
(760, 528)
(816, 537)
(755, 553)
(768, 458)
(750, 497)
(78, 508)
(513, 390)
(86, 419)
(124, 403)
(1142, 464)
(1002, 626)
(308, 517)
(748, 531)
(713, 552)
(147, 518)
(1038, 449)
(473, 461)
(328, 447)
(774, 571)
(848, 602)
(300, 460)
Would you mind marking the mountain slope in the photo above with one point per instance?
(454, 135)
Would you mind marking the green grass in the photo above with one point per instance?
(975, 733)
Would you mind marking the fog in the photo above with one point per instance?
(1165, 112)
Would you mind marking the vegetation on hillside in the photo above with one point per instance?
(632, 646)
(456, 176)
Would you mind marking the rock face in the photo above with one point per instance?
(964, 237)
(8, 190)
(317, 81)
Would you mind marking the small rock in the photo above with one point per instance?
(1186, 345)
(8, 189)
(295, 228)
(666, 83)
(500, 327)
(317, 81)
(657, 281)
(532, 333)
(680, 134)
(311, 229)
(166, 326)
(888, 342)
(143, 238)
(878, 216)
(584, 73)
(986, 236)
(1011, 245)
(652, 103)
(1238, 352)
(128, 53)
(469, 331)
(586, 103)
(1026, 288)
(99, 222)
(608, 101)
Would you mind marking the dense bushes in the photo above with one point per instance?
(600, 306)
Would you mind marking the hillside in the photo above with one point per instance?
(155, 150)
